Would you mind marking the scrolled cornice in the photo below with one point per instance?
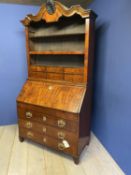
(60, 11)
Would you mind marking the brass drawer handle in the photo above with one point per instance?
(61, 135)
(44, 140)
(28, 115)
(44, 129)
(28, 125)
(61, 146)
(61, 123)
(30, 134)
(44, 118)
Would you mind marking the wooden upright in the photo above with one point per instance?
(54, 105)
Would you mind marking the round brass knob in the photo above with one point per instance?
(61, 123)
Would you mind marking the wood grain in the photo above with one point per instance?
(52, 96)
(48, 141)
(61, 10)
(58, 92)
(52, 120)
(56, 53)
(23, 108)
(48, 130)
(68, 37)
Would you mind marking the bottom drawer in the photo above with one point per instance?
(48, 141)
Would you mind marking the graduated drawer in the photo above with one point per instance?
(48, 141)
(48, 130)
(52, 120)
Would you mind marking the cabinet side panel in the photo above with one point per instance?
(27, 48)
(86, 109)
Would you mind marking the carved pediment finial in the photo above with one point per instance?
(50, 6)
(52, 11)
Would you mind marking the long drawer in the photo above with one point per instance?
(48, 141)
(49, 111)
(52, 120)
(44, 129)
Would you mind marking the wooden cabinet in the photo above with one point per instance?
(54, 105)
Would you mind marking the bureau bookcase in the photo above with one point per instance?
(54, 105)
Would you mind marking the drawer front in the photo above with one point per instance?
(37, 74)
(74, 78)
(48, 141)
(54, 69)
(48, 130)
(55, 76)
(46, 119)
(74, 71)
(52, 112)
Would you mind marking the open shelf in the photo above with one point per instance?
(56, 53)
(65, 27)
(63, 44)
(58, 60)
(57, 50)
(35, 35)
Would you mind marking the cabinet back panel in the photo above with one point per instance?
(58, 60)
(65, 43)
(66, 26)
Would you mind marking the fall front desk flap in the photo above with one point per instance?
(61, 97)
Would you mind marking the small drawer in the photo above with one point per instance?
(37, 74)
(74, 78)
(49, 130)
(74, 70)
(54, 69)
(37, 68)
(55, 76)
(48, 141)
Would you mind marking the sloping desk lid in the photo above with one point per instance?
(61, 97)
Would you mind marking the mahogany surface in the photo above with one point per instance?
(61, 97)
(54, 105)
(47, 129)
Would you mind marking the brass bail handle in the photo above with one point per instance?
(28, 115)
(61, 123)
(61, 146)
(61, 135)
(28, 125)
(30, 134)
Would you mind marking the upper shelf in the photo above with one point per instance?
(56, 53)
(63, 28)
(37, 35)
